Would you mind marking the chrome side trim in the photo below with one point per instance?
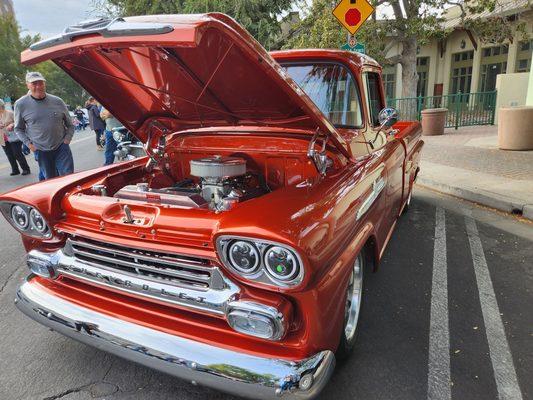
(377, 187)
(226, 370)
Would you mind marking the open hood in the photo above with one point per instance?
(183, 71)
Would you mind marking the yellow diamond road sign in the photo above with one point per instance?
(352, 13)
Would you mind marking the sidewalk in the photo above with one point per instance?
(467, 163)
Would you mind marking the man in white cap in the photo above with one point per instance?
(43, 123)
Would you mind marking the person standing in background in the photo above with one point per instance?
(10, 142)
(96, 123)
(110, 143)
(80, 115)
(43, 123)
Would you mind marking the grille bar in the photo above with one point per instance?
(146, 264)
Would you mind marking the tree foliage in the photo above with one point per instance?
(259, 17)
(12, 72)
(413, 23)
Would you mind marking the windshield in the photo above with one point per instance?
(332, 88)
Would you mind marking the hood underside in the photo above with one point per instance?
(184, 71)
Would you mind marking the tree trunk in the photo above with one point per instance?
(408, 61)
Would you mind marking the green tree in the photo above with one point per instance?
(12, 72)
(413, 23)
(60, 84)
(259, 17)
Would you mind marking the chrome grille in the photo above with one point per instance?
(171, 269)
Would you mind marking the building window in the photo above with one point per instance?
(493, 62)
(422, 69)
(523, 56)
(461, 76)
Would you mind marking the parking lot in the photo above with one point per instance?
(447, 316)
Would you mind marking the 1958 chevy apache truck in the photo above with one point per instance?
(233, 254)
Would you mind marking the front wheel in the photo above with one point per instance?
(352, 308)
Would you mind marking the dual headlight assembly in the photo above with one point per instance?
(262, 261)
(26, 219)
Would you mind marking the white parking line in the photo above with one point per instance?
(439, 333)
(500, 355)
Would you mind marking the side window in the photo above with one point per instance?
(373, 96)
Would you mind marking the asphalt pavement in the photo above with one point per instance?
(447, 316)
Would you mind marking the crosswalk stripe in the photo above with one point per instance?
(500, 355)
(439, 334)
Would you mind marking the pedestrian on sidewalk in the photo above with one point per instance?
(110, 143)
(96, 123)
(43, 123)
(80, 115)
(10, 142)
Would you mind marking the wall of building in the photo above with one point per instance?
(529, 99)
(441, 57)
(512, 90)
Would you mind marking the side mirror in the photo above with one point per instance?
(388, 117)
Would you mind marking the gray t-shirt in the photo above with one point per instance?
(46, 123)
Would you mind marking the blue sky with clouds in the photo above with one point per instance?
(49, 17)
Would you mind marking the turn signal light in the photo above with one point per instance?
(43, 264)
(256, 319)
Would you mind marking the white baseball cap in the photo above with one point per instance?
(34, 76)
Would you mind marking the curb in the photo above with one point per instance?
(499, 202)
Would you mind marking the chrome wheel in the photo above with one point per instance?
(354, 294)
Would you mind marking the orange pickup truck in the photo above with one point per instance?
(233, 255)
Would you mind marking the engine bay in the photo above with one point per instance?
(216, 183)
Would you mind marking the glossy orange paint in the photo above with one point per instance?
(316, 215)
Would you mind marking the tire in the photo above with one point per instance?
(353, 307)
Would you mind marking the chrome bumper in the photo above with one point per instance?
(222, 369)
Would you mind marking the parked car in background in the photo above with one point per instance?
(233, 255)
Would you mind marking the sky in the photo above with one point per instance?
(50, 17)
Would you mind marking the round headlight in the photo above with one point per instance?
(20, 217)
(281, 264)
(37, 221)
(243, 256)
(118, 136)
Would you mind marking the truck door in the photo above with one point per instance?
(392, 148)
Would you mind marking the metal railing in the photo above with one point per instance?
(464, 109)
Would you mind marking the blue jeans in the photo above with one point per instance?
(110, 147)
(56, 162)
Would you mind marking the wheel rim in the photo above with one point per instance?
(354, 294)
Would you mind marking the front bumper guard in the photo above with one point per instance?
(226, 370)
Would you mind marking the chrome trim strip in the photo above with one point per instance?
(166, 271)
(171, 259)
(212, 301)
(377, 187)
(208, 365)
